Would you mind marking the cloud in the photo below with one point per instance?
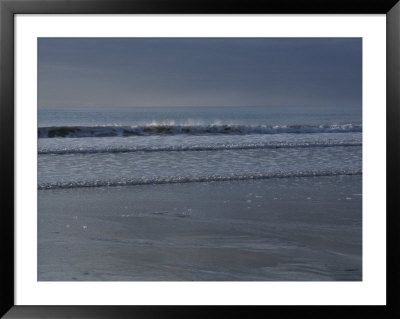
(195, 72)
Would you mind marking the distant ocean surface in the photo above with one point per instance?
(88, 147)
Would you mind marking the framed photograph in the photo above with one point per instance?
(175, 154)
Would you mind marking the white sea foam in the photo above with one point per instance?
(195, 179)
(192, 148)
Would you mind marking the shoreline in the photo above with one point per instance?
(198, 179)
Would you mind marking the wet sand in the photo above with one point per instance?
(281, 229)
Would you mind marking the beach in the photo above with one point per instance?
(272, 229)
(200, 159)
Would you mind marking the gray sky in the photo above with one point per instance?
(199, 72)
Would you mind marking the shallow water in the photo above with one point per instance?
(271, 140)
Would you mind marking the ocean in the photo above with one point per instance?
(82, 147)
(200, 193)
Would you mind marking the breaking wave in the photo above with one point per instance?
(196, 179)
(157, 129)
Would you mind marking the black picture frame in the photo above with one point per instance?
(8, 8)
